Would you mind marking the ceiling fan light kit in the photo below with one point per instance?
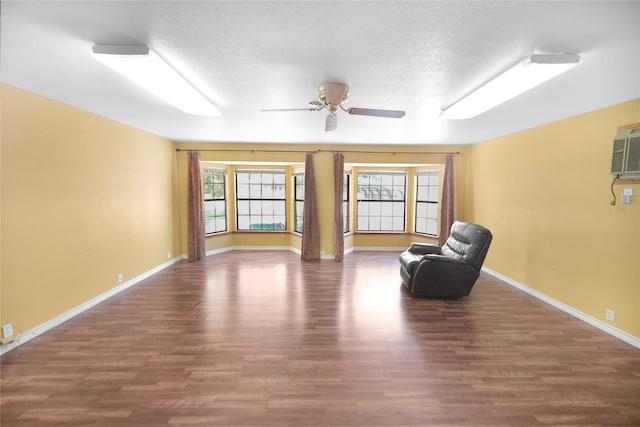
(331, 123)
(525, 75)
(144, 67)
(331, 95)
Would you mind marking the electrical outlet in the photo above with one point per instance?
(610, 315)
(7, 330)
(168, 255)
(120, 278)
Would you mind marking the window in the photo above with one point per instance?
(213, 183)
(345, 202)
(298, 185)
(427, 190)
(381, 200)
(260, 197)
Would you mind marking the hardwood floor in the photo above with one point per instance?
(262, 339)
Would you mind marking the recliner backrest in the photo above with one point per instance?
(469, 242)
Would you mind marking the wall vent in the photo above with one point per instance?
(625, 157)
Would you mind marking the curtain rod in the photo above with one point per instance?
(248, 151)
(319, 151)
(390, 152)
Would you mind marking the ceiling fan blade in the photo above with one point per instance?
(331, 123)
(394, 114)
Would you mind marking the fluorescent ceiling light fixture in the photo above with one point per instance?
(525, 75)
(146, 68)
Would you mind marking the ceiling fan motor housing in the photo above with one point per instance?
(333, 93)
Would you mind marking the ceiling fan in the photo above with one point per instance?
(331, 96)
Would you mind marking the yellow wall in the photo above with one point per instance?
(545, 195)
(84, 199)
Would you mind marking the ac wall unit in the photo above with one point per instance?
(625, 159)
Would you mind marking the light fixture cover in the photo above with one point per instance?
(147, 69)
(331, 122)
(525, 75)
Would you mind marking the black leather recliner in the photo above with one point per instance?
(449, 271)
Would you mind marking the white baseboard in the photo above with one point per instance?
(58, 320)
(617, 333)
(253, 248)
(218, 251)
(323, 254)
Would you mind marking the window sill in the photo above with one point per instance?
(260, 231)
(219, 234)
(395, 233)
(226, 233)
(426, 236)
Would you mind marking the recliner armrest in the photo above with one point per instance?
(445, 259)
(424, 249)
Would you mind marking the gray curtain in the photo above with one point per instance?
(195, 210)
(447, 206)
(310, 220)
(338, 179)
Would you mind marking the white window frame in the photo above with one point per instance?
(427, 202)
(298, 200)
(214, 205)
(346, 184)
(381, 201)
(261, 203)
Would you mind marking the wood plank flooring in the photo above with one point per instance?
(262, 339)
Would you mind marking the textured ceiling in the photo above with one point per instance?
(418, 56)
